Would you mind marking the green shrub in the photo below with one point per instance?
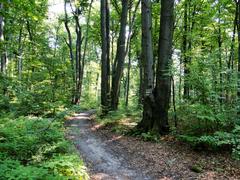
(67, 166)
(220, 140)
(12, 169)
(35, 148)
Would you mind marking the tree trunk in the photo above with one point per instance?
(70, 47)
(157, 101)
(105, 60)
(78, 58)
(19, 56)
(238, 68)
(221, 94)
(2, 48)
(128, 49)
(184, 50)
(162, 90)
(120, 57)
(187, 43)
(141, 77)
(147, 60)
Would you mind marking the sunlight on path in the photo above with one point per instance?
(101, 160)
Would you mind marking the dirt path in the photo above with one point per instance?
(112, 156)
(102, 160)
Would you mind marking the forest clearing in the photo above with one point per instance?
(119, 89)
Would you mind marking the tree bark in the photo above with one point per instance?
(162, 91)
(157, 100)
(120, 57)
(147, 60)
(105, 60)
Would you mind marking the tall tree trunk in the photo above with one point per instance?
(162, 90)
(78, 58)
(238, 68)
(189, 23)
(141, 77)
(230, 63)
(3, 56)
(85, 47)
(221, 93)
(105, 60)
(128, 48)
(184, 50)
(86, 36)
(147, 60)
(19, 56)
(70, 47)
(120, 57)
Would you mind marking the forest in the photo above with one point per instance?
(119, 89)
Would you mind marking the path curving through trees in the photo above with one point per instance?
(110, 156)
(98, 153)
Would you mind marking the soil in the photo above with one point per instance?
(112, 156)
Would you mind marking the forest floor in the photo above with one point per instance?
(110, 155)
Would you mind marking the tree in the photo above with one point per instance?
(3, 56)
(156, 101)
(105, 60)
(76, 59)
(147, 60)
(117, 71)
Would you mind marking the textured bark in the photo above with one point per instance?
(156, 101)
(163, 79)
(120, 57)
(105, 61)
(147, 60)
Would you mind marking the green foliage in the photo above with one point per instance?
(150, 136)
(199, 119)
(35, 148)
(12, 169)
(220, 140)
(196, 168)
(67, 166)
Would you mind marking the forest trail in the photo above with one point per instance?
(110, 156)
(98, 153)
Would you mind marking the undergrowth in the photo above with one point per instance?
(35, 148)
(198, 126)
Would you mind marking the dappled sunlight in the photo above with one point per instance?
(114, 138)
(127, 122)
(96, 127)
(100, 176)
(77, 118)
(133, 89)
